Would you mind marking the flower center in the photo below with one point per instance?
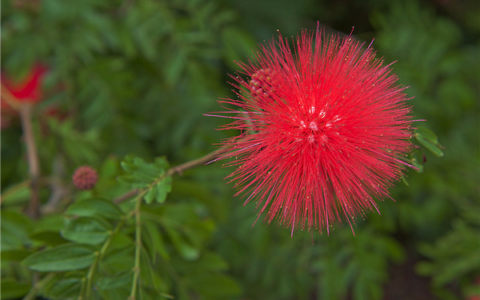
(315, 128)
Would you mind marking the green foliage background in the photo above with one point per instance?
(135, 77)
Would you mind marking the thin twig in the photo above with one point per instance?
(126, 196)
(196, 162)
(176, 170)
(25, 111)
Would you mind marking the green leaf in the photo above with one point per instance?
(435, 149)
(427, 134)
(120, 293)
(193, 189)
(109, 168)
(120, 240)
(429, 140)
(150, 176)
(186, 250)
(453, 256)
(175, 67)
(87, 230)
(14, 255)
(424, 268)
(213, 286)
(95, 207)
(62, 258)
(149, 275)
(119, 260)
(154, 240)
(116, 281)
(48, 237)
(140, 173)
(149, 196)
(15, 230)
(419, 166)
(47, 230)
(237, 44)
(12, 289)
(207, 262)
(50, 223)
(16, 194)
(65, 289)
(81, 147)
(163, 188)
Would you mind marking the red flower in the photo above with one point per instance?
(324, 131)
(14, 93)
(29, 88)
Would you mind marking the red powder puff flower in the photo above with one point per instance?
(29, 88)
(85, 178)
(325, 129)
(18, 92)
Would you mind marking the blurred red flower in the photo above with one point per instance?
(29, 88)
(16, 92)
(325, 129)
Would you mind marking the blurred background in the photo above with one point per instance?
(136, 76)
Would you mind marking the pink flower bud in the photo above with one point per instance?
(85, 178)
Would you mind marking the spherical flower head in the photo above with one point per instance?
(85, 178)
(324, 131)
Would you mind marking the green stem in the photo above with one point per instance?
(138, 245)
(94, 266)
